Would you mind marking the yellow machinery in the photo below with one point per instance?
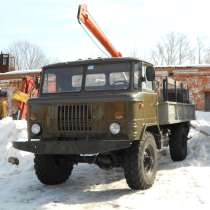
(3, 108)
(17, 96)
(25, 85)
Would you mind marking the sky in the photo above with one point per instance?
(133, 26)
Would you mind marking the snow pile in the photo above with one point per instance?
(202, 123)
(11, 130)
(199, 145)
(179, 185)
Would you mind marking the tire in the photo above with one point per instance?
(140, 164)
(178, 142)
(52, 169)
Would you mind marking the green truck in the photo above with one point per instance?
(108, 112)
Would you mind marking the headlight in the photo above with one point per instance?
(114, 128)
(35, 128)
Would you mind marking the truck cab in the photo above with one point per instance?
(103, 99)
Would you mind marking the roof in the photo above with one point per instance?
(19, 74)
(93, 61)
(185, 66)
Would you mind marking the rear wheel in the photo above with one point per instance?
(52, 169)
(140, 164)
(178, 142)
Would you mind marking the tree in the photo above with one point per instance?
(185, 53)
(27, 55)
(200, 48)
(173, 49)
(207, 56)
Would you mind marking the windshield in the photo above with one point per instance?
(62, 80)
(97, 77)
(108, 81)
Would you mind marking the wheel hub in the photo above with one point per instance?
(148, 160)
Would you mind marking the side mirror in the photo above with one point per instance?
(37, 83)
(150, 73)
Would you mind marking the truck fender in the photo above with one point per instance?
(155, 130)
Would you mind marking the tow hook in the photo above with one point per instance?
(13, 161)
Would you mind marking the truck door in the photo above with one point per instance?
(150, 98)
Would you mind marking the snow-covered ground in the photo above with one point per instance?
(183, 185)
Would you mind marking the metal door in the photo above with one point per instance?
(207, 101)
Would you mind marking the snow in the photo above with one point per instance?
(183, 185)
(11, 130)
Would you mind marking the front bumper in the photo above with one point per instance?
(72, 147)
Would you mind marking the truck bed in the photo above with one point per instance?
(174, 112)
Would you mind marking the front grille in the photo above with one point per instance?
(74, 117)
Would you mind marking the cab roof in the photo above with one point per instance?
(94, 61)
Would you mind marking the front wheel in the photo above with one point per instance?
(140, 164)
(52, 169)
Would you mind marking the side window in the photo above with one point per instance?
(136, 76)
(49, 83)
(146, 85)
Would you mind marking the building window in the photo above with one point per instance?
(5, 60)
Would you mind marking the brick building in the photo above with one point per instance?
(197, 78)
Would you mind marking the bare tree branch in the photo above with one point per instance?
(27, 55)
(207, 56)
(200, 48)
(173, 49)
